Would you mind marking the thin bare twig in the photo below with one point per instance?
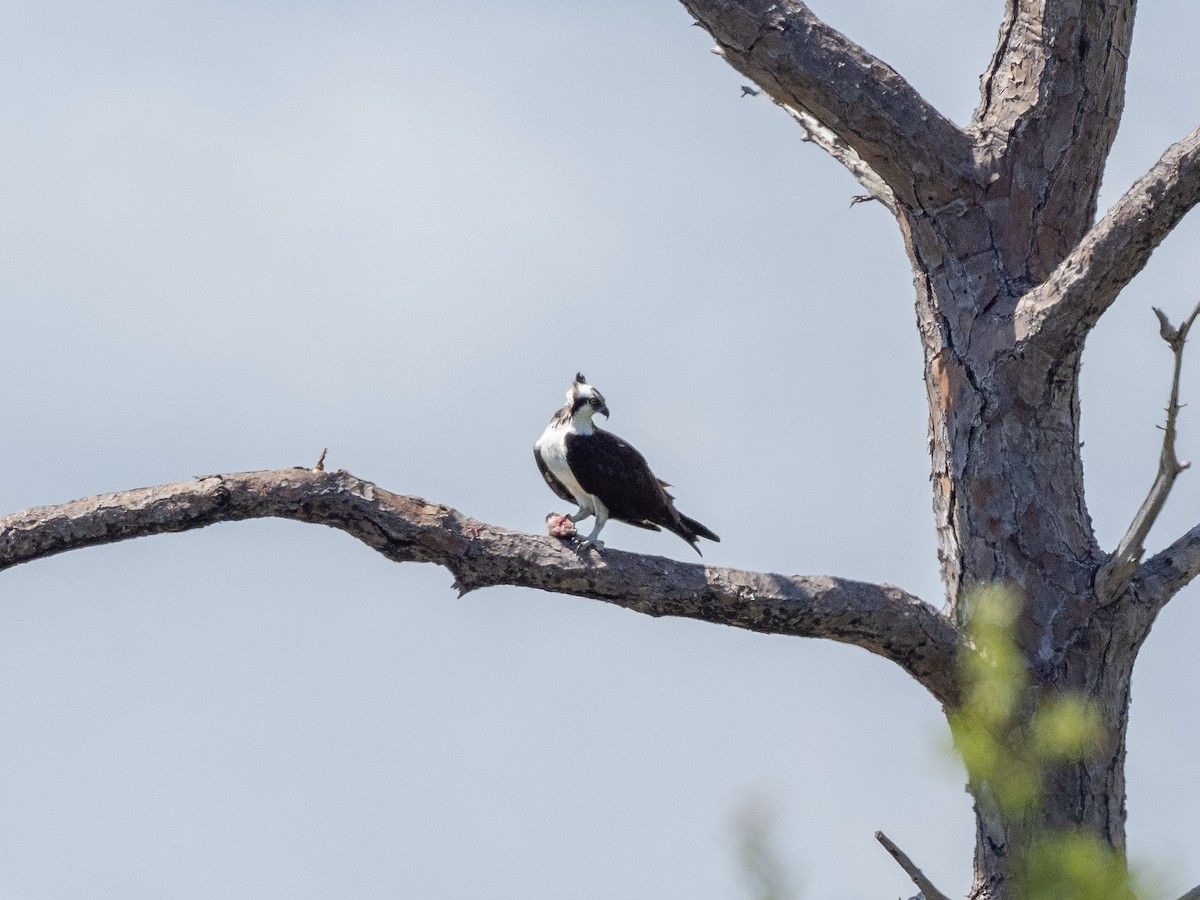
(918, 877)
(1116, 573)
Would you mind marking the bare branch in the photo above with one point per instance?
(1118, 570)
(1045, 50)
(1065, 307)
(1041, 139)
(1193, 894)
(807, 66)
(1169, 571)
(880, 618)
(824, 138)
(924, 884)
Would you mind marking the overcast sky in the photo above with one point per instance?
(233, 233)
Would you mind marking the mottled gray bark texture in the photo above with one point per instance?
(1011, 271)
(880, 618)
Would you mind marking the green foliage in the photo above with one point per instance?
(1069, 864)
(763, 873)
(1010, 740)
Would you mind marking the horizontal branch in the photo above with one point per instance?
(880, 618)
(1065, 307)
(805, 65)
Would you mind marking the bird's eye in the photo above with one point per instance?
(595, 401)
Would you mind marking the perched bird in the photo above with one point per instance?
(603, 475)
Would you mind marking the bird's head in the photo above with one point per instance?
(585, 401)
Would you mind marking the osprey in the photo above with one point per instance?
(605, 476)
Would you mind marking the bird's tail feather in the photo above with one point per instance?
(692, 531)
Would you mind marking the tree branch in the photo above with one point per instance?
(1065, 307)
(1169, 571)
(1041, 135)
(924, 884)
(1193, 894)
(813, 70)
(1118, 570)
(824, 138)
(880, 618)
(1046, 49)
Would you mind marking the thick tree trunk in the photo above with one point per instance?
(1009, 506)
(1089, 794)
(1010, 274)
(1008, 490)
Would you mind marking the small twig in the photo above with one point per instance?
(320, 466)
(816, 133)
(1116, 573)
(1193, 894)
(918, 877)
(860, 198)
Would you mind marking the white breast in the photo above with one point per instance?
(552, 446)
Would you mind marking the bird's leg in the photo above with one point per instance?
(579, 515)
(601, 518)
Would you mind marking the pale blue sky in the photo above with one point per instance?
(235, 233)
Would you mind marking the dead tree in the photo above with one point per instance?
(1011, 271)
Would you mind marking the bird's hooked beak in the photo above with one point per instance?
(603, 410)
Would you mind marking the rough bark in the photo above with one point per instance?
(877, 617)
(803, 64)
(1062, 309)
(1051, 104)
(1010, 274)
